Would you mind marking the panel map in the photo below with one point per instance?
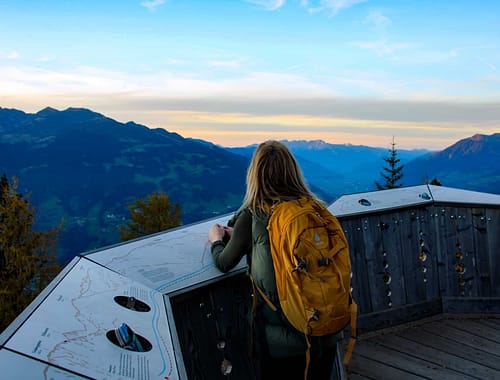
(69, 328)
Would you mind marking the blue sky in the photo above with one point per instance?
(237, 72)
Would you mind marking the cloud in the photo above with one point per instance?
(249, 108)
(20, 79)
(268, 5)
(382, 47)
(227, 63)
(332, 6)
(9, 55)
(376, 18)
(152, 4)
(43, 58)
(488, 64)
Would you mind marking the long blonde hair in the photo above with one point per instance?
(273, 175)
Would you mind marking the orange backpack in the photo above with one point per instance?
(312, 268)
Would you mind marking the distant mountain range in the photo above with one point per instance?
(339, 168)
(83, 167)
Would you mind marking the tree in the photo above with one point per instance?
(28, 258)
(435, 182)
(149, 215)
(394, 172)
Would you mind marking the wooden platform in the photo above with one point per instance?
(443, 347)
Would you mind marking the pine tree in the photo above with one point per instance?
(152, 214)
(394, 172)
(28, 259)
(435, 182)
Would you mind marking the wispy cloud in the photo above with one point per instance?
(9, 55)
(488, 64)
(383, 47)
(377, 19)
(43, 58)
(269, 5)
(236, 63)
(152, 4)
(330, 6)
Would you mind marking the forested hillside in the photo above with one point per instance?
(83, 167)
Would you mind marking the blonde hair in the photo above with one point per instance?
(273, 175)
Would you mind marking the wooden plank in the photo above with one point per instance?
(481, 251)
(463, 337)
(407, 362)
(466, 239)
(440, 238)
(433, 274)
(493, 226)
(391, 258)
(495, 323)
(452, 347)
(478, 328)
(455, 238)
(373, 242)
(372, 369)
(439, 357)
(409, 261)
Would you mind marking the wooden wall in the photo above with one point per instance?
(415, 262)
(211, 323)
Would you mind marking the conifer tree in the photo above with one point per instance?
(393, 172)
(28, 259)
(435, 182)
(152, 214)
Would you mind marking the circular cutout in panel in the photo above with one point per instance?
(425, 196)
(132, 303)
(364, 202)
(124, 337)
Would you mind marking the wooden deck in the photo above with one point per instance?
(443, 347)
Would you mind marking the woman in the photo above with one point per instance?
(273, 176)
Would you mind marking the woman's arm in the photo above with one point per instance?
(227, 256)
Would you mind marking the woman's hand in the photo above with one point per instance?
(219, 232)
(216, 233)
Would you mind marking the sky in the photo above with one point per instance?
(238, 72)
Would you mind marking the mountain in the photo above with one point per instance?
(471, 163)
(83, 167)
(338, 168)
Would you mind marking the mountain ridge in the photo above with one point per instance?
(84, 167)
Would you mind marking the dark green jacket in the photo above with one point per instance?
(251, 238)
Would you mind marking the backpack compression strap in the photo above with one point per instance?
(352, 340)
